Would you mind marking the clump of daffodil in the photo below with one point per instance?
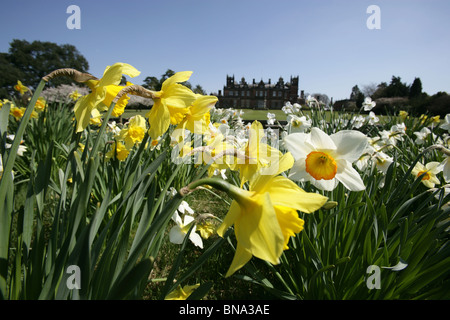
(18, 113)
(21, 88)
(134, 131)
(170, 105)
(266, 215)
(428, 172)
(181, 293)
(100, 91)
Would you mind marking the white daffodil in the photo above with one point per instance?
(382, 161)
(180, 230)
(327, 160)
(184, 208)
(298, 124)
(271, 117)
(358, 122)
(446, 124)
(368, 104)
(429, 172)
(421, 136)
(372, 118)
(446, 169)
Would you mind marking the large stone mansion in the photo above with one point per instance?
(258, 95)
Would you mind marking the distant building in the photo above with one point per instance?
(261, 95)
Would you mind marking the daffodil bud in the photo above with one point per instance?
(330, 205)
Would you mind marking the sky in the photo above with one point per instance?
(326, 43)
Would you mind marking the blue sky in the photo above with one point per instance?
(326, 43)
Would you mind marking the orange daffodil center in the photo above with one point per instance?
(320, 165)
(326, 160)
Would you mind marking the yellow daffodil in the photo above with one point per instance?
(75, 95)
(134, 132)
(257, 154)
(118, 150)
(206, 229)
(16, 112)
(181, 293)
(21, 88)
(111, 77)
(429, 172)
(403, 114)
(197, 118)
(40, 104)
(265, 216)
(171, 103)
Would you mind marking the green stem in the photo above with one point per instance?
(234, 192)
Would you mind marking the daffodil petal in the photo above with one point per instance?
(298, 171)
(350, 144)
(176, 235)
(159, 119)
(257, 229)
(297, 145)
(241, 257)
(202, 105)
(327, 185)
(176, 78)
(320, 140)
(232, 215)
(349, 177)
(196, 239)
(284, 192)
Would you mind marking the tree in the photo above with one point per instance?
(199, 90)
(369, 89)
(29, 62)
(397, 88)
(415, 90)
(357, 96)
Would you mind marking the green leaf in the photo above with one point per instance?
(130, 280)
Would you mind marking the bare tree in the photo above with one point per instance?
(369, 89)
